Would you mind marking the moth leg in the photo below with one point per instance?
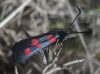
(26, 33)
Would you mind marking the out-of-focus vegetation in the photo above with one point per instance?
(39, 16)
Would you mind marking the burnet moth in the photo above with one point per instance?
(24, 49)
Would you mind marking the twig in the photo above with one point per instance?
(37, 66)
(29, 71)
(97, 71)
(64, 65)
(14, 13)
(53, 62)
(46, 68)
(53, 70)
(16, 71)
(73, 62)
(43, 55)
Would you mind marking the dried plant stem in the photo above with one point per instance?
(73, 62)
(55, 65)
(64, 65)
(16, 72)
(14, 13)
(89, 57)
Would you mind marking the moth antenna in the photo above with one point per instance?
(74, 19)
(89, 31)
(26, 33)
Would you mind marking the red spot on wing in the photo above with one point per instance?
(49, 37)
(39, 45)
(27, 51)
(52, 40)
(35, 41)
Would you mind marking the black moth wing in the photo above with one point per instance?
(24, 49)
